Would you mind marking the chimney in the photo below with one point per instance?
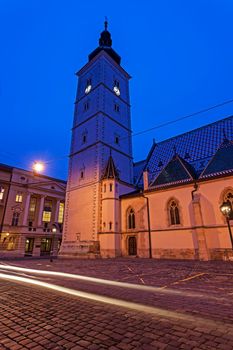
(145, 179)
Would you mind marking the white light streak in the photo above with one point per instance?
(116, 302)
(111, 283)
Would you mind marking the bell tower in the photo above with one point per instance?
(101, 122)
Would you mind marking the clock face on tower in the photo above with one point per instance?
(117, 90)
(88, 89)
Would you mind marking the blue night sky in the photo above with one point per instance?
(179, 54)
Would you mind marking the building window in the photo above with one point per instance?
(2, 190)
(86, 106)
(47, 211)
(15, 219)
(84, 136)
(12, 243)
(116, 107)
(61, 213)
(174, 215)
(29, 243)
(110, 187)
(32, 209)
(117, 83)
(110, 225)
(229, 198)
(131, 219)
(117, 140)
(45, 246)
(19, 197)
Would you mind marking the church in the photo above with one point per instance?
(175, 204)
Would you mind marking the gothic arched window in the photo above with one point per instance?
(131, 219)
(174, 214)
(229, 198)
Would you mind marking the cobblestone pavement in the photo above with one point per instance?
(192, 309)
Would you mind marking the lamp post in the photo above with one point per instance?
(227, 210)
(54, 230)
(148, 221)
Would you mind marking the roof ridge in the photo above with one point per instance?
(185, 164)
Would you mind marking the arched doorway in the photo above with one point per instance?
(132, 245)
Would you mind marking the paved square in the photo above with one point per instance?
(188, 307)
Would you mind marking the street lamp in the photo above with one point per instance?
(54, 230)
(227, 210)
(38, 167)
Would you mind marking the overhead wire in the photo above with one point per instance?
(170, 122)
(159, 126)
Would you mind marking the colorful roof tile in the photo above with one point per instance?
(222, 162)
(196, 147)
(176, 171)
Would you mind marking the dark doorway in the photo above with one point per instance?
(132, 246)
(29, 243)
(45, 246)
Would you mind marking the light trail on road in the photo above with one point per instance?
(146, 288)
(121, 303)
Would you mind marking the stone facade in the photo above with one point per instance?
(102, 125)
(166, 206)
(31, 213)
(202, 233)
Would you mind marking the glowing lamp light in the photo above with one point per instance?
(225, 208)
(38, 167)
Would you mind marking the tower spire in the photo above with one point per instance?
(105, 44)
(110, 171)
(105, 37)
(106, 23)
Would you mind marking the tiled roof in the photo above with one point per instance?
(110, 171)
(138, 168)
(176, 171)
(221, 162)
(196, 147)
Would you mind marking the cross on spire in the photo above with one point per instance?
(106, 23)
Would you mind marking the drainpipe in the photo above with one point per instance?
(195, 190)
(148, 221)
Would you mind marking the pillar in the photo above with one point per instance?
(26, 208)
(56, 212)
(199, 229)
(41, 209)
